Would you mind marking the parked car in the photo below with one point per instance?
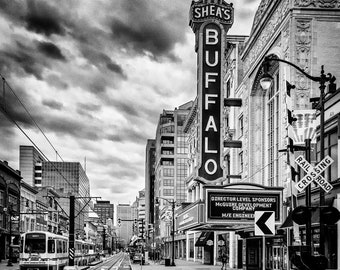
(137, 257)
(75, 267)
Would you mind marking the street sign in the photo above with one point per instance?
(264, 223)
(314, 173)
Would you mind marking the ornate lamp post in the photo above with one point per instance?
(172, 202)
(265, 82)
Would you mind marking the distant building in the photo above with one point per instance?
(104, 210)
(125, 230)
(66, 177)
(142, 230)
(150, 156)
(30, 165)
(170, 168)
(9, 208)
(27, 205)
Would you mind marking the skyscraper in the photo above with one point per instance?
(125, 229)
(104, 210)
(65, 177)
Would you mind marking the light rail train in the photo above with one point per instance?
(48, 251)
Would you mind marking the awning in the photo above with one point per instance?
(204, 238)
(315, 215)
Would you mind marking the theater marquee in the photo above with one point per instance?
(239, 206)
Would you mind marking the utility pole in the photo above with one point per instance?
(71, 253)
(71, 233)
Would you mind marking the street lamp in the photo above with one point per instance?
(172, 202)
(265, 82)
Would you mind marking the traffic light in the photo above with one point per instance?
(330, 215)
(301, 214)
(119, 222)
(135, 222)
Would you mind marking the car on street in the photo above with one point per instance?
(137, 257)
(68, 267)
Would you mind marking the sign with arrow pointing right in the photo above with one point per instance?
(264, 223)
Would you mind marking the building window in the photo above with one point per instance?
(167, 152)
(168, 192)
(240, 125)
(168, 182)
(168, 172)
(240, 159)
(2, 198)
(227, 94)
(331, 149)
(167, 163)
(273, 105)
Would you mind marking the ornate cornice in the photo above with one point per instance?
(317, 3)
(257, 45)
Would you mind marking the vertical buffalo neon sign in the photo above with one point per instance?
(210, 95)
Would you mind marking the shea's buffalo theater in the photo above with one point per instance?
(239, 186)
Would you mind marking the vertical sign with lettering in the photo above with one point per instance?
(210, 98)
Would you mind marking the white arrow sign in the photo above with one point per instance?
(264, 222)
(313, 173)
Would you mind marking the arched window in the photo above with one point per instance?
(273, 129)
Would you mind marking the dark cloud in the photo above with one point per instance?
(128, 135)
(12, 107)
(19, 57)
(146, 29)
(51, 50)
(101, 60)
(24, 56)
(53, 104)
(43, 18)
(56, 81)
(115, 68)
(89, 107)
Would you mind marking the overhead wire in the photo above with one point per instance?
(28, 137)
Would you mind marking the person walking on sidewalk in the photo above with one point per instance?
(224, 259)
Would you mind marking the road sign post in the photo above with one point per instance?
(264, 223)
(314, 173)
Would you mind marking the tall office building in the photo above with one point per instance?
(171, 155)
(65, 177)
(30, 165)
(104, 210)
(150, 155)
(125, 229)
(170, 169)
(69, 176)
(142, 229)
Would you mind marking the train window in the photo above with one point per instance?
(35, 243)
(64, 247)
(59, 247)
(21, 245)
(51, 246)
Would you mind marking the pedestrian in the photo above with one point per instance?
(224, 259)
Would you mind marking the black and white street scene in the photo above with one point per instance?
(169, 134)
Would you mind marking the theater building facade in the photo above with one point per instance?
(236, 132)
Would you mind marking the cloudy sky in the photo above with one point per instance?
(94, 76)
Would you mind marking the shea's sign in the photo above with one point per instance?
(210, 98)
(201, 12)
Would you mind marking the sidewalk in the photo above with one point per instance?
(180, 265)
(3, 266)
